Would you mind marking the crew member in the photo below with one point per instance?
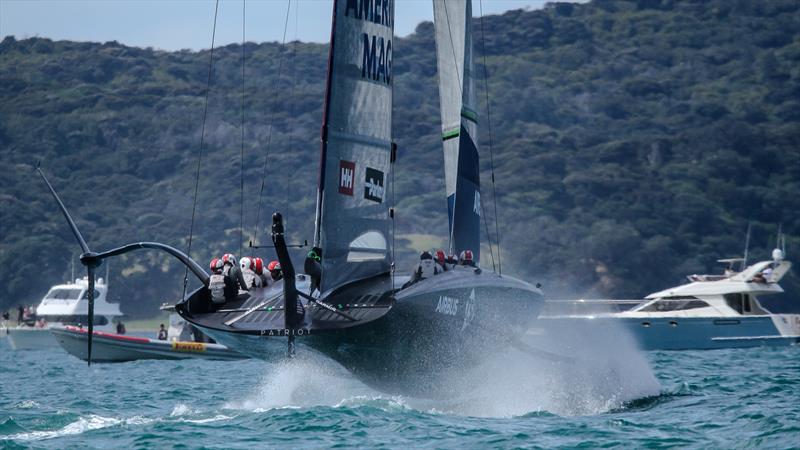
(313, 267)
(425, 269)
(441, 260)
(162, 333)
(451, 261)
(216, 282)
(466, 258)
(258, 264)
(248, 274)
(234, 282)
(275, 270)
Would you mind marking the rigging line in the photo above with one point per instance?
(488, 235)
(241, 159)
(202, 141)
(393, 168)
(271, 123)
(491, 139)
(293, 72)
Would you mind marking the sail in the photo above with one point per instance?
(353, 224)
(452, 20)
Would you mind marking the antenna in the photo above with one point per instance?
(746, 244)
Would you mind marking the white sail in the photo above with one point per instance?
(454, 57)
(353, 223)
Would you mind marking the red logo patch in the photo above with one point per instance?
(347, 177)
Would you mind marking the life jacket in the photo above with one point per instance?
(427, 268)
(216, 284)
(249, 278)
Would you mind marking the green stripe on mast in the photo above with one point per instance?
(450, 134)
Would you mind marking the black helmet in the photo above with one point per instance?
(425, 255)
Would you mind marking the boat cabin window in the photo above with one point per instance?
(86, 295)
(737, 302)
(675, 304)
(745, 304)
(77, 320)
(369, 246)
(64, 294)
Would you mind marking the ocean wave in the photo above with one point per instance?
(82, 425)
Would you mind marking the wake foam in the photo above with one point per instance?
(593, 374)
(82, 425)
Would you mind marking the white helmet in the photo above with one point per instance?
(245, 263)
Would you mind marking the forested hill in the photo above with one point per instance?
(632, 143)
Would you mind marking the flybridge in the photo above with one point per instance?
(375, 11)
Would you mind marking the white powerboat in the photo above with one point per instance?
(710, 312)
(64, 304)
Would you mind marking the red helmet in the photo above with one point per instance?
(258, 265)
(440, 258)
(273, 266)
(216, 265)
(228, 258)
(466, 256)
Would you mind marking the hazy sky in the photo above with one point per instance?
(177, 24)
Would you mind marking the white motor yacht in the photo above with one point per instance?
(710, 312)
(64, 304)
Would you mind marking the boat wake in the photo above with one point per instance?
(82, 425)
(588, 375)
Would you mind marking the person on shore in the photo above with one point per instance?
(162, 333)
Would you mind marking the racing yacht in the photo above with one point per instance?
(352, 307)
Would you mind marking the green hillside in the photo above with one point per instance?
(632, 143)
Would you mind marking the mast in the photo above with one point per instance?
(324, 131)
(454, 58)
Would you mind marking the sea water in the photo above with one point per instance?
(606, 396)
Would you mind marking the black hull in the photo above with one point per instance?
(409, 336)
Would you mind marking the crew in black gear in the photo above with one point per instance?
(313, 267)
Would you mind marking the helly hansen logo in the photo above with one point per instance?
(373, 185)
(347, 176)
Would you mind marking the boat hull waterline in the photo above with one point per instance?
(686, 333)
(447, 322)
(109, 347)
(29, 338)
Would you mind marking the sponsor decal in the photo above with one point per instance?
(347, 177)
(286, 332)
(476, 204)
(376, 53)
(469, 310)
(195, 347)
(447, 305)
(373, 185)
